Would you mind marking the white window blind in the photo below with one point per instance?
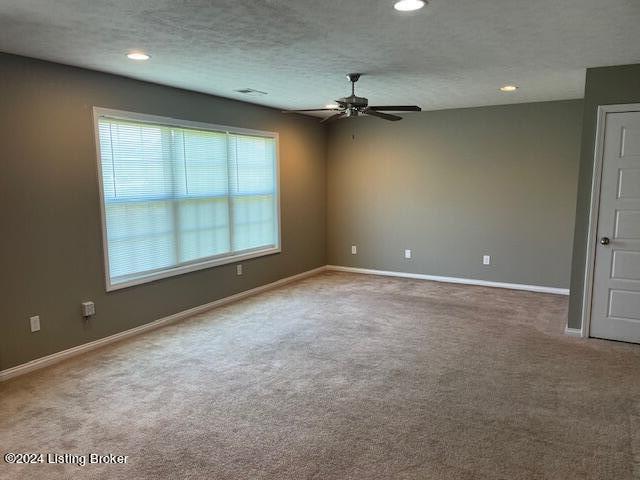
(177, 197)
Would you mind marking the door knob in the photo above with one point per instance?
(605, 241)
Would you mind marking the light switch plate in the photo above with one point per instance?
(354, 249)
(486, 260)
(35, 323)
(407, 253)
(239, 269)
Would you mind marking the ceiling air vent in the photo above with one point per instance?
(251, 91)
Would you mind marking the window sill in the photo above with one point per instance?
(193, 267)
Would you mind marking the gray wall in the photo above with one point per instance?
(51, 235)
(453, 185)
(604, 86)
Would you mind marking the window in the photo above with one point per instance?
(181, 196)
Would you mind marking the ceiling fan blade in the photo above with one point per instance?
(386, 116)
(312, 110)
(397, 108)
(333, 117)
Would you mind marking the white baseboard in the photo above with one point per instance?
(86, 347)
(573, 332)
(465, 281)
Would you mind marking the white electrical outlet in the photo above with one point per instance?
(354, 249)
(407, 253)
(239, 269)
(486, 260)
(35, 323)
(88, 309)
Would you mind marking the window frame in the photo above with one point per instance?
(202, 263)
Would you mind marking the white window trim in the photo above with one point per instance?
(198, 264)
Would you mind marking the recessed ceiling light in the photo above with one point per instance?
(508, 88)
(332, 105)
(138, 56)
(409, 5)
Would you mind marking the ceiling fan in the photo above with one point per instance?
(353, 106)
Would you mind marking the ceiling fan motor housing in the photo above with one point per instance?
(354, 102)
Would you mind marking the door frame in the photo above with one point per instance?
(594, 209)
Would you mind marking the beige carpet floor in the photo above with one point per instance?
(342, 376)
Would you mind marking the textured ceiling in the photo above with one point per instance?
(453, 53)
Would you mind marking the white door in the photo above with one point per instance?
(615, 312)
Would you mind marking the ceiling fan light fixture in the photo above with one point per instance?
(332, 105)
(409, 5)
